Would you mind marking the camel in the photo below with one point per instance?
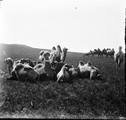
(63, 74)
(9, 61)
(46, 70)
(44, 55)
(63, 54)
(58, 53)
(24, 72)
(87, 70)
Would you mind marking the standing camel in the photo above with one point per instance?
(58, 53)
(64, 54)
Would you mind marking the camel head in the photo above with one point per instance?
(89, 63)
(81, 63)
(41, 52)
(65, 49)
(53, 48)
(59, 48)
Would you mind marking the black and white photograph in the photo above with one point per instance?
(62, 59)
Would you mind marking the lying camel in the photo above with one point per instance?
(24, 72)
(63, 74)
(87, 70)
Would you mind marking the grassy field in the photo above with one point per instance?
(84, 98)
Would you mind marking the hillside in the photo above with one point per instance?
(16, 50)
(23, 51)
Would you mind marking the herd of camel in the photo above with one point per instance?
(107, 52)
(51, 66)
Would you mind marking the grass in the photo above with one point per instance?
(84, 98)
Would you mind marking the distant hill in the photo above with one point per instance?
(18, 51)
(23, 51)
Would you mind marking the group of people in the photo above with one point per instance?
(51, 66)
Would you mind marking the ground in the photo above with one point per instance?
(83, 98)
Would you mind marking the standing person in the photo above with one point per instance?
(118, 57)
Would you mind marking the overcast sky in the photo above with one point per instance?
(79, 25)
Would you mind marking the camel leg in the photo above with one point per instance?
(91, 75)
(58, 79)
(117, 66)
(9, 71)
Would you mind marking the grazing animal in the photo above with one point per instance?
(63, 54)
(88, 70)
(110, 52)
(92, 52)
(63, 74)
(9, 61)
(103, 52)
(98, 52)
(86, 54)
(24, 72)
(118, 57)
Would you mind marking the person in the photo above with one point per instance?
(118, 57)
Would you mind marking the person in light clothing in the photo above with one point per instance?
(119, 57)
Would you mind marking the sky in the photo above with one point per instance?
(79, 25)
